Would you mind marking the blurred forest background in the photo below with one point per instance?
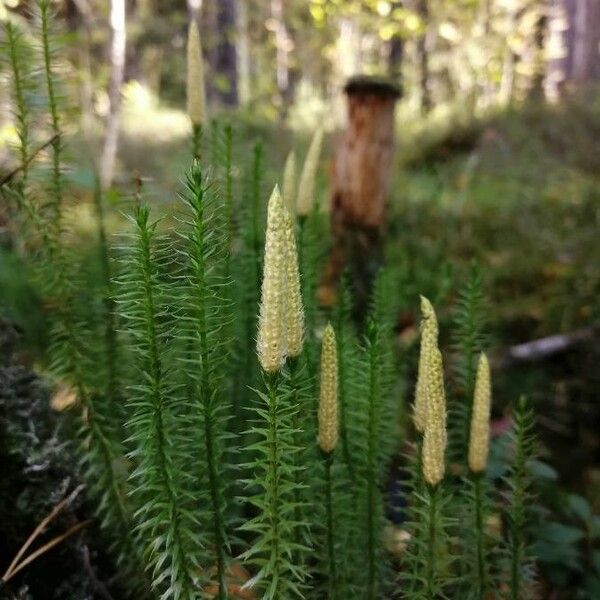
(497, 163)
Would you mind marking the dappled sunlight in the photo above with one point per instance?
(149, 123)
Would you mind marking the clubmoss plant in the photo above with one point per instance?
(298, 383)
(196, 95)
(206, 315)
(373, 502)
(20, 60)
(327, 439)
(228, 194)
(305, 198)
(469, 339)
(478, 554)
(434, 436)
(274, 468)
(521, 576)
(346, 354)
(112, 374)
(273, 323)
(55, 197)
(427, 559)
(160, 488)
(328, 395)
(429, 341)
(294, 317)
(310, 246)
(480, 418)
(289, 189)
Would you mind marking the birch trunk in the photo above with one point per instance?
(117, 69)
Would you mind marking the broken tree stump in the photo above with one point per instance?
(360, 177)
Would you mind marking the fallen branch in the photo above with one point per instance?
(544, 347)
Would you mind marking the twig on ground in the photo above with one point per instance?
(16, 565)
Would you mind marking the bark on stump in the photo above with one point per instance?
(359, 185)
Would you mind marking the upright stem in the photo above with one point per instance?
(299, 442)
(274, 460)
(206, 388)
(56, 201)
(216, 501)
(197, 141)
(160, 461)
(515, 573)
(305, 268)
(343, 399)
(332, 571)
(372, 538)
(516, 524)
(431, 543)
(228, 196)
(478, 482)
(110, 330)
(256, 196)
(417, 483)
(20, 104)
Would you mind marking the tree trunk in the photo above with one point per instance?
(395, 58)
(536, 91)
(243, 51)
(507, 83)
(117, 68)
(423, 44)
(282, 42)
(222, 55)
(84, 62)
(359, 186)
(574, 29)
(582, 64)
